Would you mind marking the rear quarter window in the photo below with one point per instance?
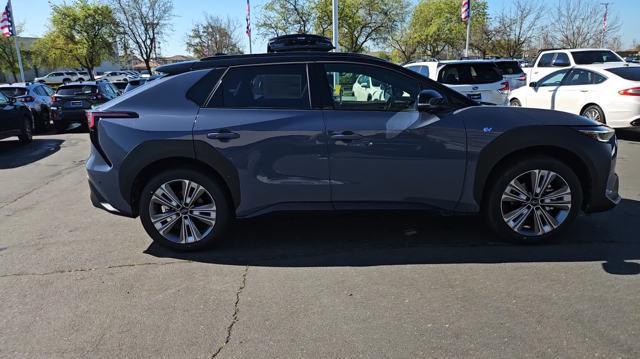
(509, 67)
(627, 73)
(478, 73)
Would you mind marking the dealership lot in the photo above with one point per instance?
(78, 282)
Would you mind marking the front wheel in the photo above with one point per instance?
(533, 200)
(594, 112)
(515, 103)
(184, 209)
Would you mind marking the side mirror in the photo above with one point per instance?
(365, 85)
(12, 100)
(431, 101)
(533, 84)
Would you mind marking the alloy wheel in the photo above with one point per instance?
(593, 114)
(182, 211)
(536, 202)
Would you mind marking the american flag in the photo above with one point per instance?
(248, 19)
(7, 23)
(465, 10)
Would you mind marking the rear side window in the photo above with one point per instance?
(13, 91)
(478, 73)
(582, 77)
(594, 57)
(561, 60)
(627, 73)
(76, 90)
(509, 67)
(546, 59)
(265, 86)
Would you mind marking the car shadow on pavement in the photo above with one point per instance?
(628, 134)
(387, 238)
(13, 154)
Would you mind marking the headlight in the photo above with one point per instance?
(600, 133)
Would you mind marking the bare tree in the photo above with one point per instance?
(517, 25)
(578, 23)
(214, 35)
(403, 44)
(280, 17)
(143, 23)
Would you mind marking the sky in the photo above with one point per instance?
(34, 15)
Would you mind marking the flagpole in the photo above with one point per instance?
(15, 34)
(249, 25)
(466, 48)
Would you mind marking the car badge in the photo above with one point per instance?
(474, 88)
(487, 129)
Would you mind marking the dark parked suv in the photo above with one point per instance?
(36, 96)
(72, 100)
(239, 136)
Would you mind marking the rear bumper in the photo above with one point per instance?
(104, 187)
(69, 116)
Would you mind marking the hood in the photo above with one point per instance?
(509, 117)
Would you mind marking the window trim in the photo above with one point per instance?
(539, 83)
(226, 71)
(580, 69)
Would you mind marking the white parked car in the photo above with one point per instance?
(479, 80)
(368, 89)
(608, 93)
(58, 77)
(549, 61)
(116, 76)
(512, 72)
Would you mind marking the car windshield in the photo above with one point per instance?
(509, 67)
(77, 90)
(631, 73)
(594, 57)
(13, 91)
(471, 73)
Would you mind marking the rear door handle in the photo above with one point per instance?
(346, 136)
(223, 135)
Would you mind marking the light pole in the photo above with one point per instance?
(335, 25)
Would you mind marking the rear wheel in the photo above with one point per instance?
(515, 103)
(184, 209)
(66, 81)
(533, 200)
(594, 112)
(26, 135)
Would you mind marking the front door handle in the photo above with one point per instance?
(346, 136)
(223, 135)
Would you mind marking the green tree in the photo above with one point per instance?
(436, 25)
(360, 22)
(281, 17)
(81, 34)
(8, 57)
(213, 35)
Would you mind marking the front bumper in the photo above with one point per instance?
(603, 194)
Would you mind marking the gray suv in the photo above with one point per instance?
(238, 136)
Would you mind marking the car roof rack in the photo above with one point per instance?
(299, 42)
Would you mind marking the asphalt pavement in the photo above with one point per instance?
(78, 282)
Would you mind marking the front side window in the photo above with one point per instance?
(265, 86)
(554, 79)
(3, 99)
(562, 60)
(386, 91)
(546, 59)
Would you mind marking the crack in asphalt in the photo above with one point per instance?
(66, 271)
(63, 172)
(236, 311)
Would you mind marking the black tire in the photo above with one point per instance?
(515, 103)
(26, 134)
(80, 79)
(594, 109)
(492, 208)
(65, 81)
(60, 127)
(41, 120)
(223, 215)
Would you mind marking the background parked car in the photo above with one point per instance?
(116, 76)
(608, 93)
(512, 72)
(15, 119)
(36, 96)
(549, 61)
(72, 100)
(58, 77)
(479, 80)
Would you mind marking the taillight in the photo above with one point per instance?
(634, 91)
(54, 99)
(94, 116)
(505, 87)
(25, 99)
(98, 97)
(522, 77)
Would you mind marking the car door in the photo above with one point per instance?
(383, 152)
(578, 88)
(361, 88)
(260, 121)
(544, 91)
(9, 115)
